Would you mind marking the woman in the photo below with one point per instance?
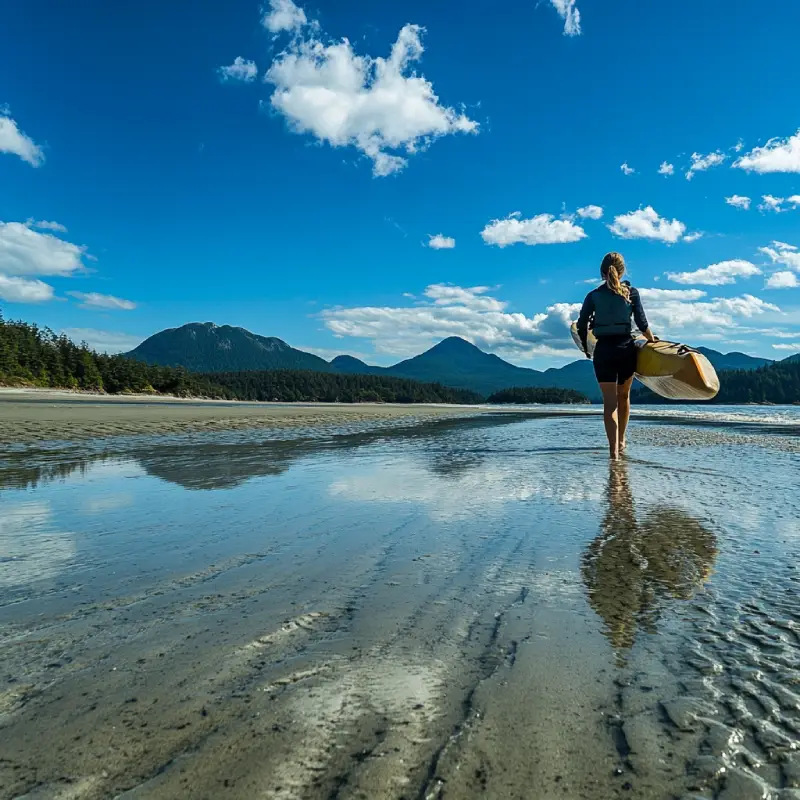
(607, 311)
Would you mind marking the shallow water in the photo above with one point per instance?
(468, 607)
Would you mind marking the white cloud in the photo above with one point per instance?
(569, 12)
(782, 280)
(793, 347)
(240, 70)
(283, 15)
(541, 229)
(678, 317)
(45, 225)
(770, 203)
(457, 311)
(14, 141)
(782, 253)
(104, 301)
(667, 295)
(666, 169)
(103, 341)
(700, 163)
(794, 200)
(24, 251)
(368, 103)
(24, 290)
(645, 223)
(777, 155)
(627, 170)
(693, 237)
(725, 272)
(590, 212)
(477, 316)
(738, 201)
(440, 242)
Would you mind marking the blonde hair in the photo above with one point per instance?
(612, 269)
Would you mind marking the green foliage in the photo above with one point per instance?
(777, 383)
(325, 387)
(524, 396)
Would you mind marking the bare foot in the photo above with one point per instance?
(614, 455)
(622, 445)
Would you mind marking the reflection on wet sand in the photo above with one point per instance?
(634, 565)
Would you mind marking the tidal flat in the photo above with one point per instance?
(453, 607)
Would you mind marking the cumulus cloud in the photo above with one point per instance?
(781, 253)
(240, 70)
(666, 169)
(771, 203)
(24, 251)
(14, 141)
(590, 212)
(541, 229)
(283, 15)
(46, 225)
(738, 201)
(24, 290)
(777, 155)
(476, 315)
(95, 300)
(645, 223)
(375, 105)
(667, 295)
(677, 316)
(721, 274)
(626, 169)
(782, 280)
(470, 313)
(441, 242)
(700, 163)
(569, 12)
(693, 237)
(103, 341)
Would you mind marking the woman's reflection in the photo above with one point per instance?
(632, 567)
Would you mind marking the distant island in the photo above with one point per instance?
(526, 396)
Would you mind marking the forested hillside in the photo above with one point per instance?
(523, 396)
(325, 387)
(778, 383)
(34, 356)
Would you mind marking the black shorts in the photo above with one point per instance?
(614, 359)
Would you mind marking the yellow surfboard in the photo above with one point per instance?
(671, 370)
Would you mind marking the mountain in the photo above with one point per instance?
(725, 361)
(349, 365)
(206, 347)
(455, 362)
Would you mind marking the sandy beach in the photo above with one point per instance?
(35, 416)
(453, 608)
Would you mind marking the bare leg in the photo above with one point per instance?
(609, 391)
(624, 413)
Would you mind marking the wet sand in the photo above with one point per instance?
(33, 417)
(468, 607)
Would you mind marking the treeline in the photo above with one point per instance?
(777, 383)
(524, 396)
(34, 356)
(325, 387)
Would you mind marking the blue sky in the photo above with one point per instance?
(243, 165)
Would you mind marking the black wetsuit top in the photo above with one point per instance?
(608, 314)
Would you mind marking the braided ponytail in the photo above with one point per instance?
(612, 269)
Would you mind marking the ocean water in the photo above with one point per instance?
(478, 607)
